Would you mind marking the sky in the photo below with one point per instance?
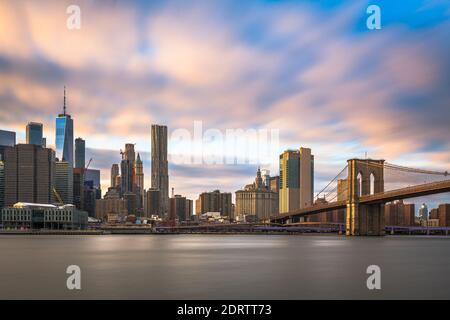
(309, 71)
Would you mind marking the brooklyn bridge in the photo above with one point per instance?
(362, 189)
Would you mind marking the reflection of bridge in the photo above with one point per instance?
(362, 193)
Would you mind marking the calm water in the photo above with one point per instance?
(223, 267)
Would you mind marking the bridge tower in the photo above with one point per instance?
(365, 177)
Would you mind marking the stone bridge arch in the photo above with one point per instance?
(367, 219)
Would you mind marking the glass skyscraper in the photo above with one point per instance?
(80, 153)
(7, 139)
(64, 135)
(34, 133)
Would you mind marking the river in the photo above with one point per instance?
(224, 267)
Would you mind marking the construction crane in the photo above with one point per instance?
(58, 196)
(89, 163)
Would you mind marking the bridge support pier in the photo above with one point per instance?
(364, 220)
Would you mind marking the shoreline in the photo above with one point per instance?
(149, 232)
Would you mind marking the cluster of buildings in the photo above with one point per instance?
(437, 217)
(45, 188)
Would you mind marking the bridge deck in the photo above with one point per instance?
(382, 197)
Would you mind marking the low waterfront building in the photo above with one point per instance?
(44, 216)
(214, 201)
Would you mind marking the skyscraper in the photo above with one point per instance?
(29, 174)
(80, 153)
(423, 212)
(7, 139)
(127, 168)
(129, 152)
(34, 133)
(296, 179)
(160, 172)
(139, 175)
(64, 135)
(114, 174)
(64, 181)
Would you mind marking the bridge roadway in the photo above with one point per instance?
(382, 197)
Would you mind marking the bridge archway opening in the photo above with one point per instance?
(372, 184)
(359, 184)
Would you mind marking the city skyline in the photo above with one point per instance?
(358, 91)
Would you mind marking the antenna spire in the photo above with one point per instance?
(64, 100)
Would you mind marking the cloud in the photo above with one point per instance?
(306, 69)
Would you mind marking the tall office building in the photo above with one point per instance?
(126, 174)
(44, 142)
(7, 139)
(80, 153)
(64, 181)
(129, 152)
(34, 133)
(160, 171)
(114, 175)
(423, 212)
(29, 174)
(139, 175)
(92, 178)
(64, 135)
(78, 188)
(296, 179)
(151, 202)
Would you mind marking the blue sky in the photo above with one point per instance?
(310, 69)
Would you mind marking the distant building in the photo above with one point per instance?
(398, 213)
(296, 179)
(34, 133)
(126, 174)
(274, 184)
(78, 188)
(80, 153)
(151, 202)
(160, 171)
(132, 202)
(40, 216)
(64, 135)
(423, 212)
(139, 176)
(256, 200)
(114, 174)
(444, 215)
(93, 175)
(214, 201)
(29, 172)
(111, 204)
(434, 214)
(180, 208)
(64, 181)
(7, 139)
(265, 175)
